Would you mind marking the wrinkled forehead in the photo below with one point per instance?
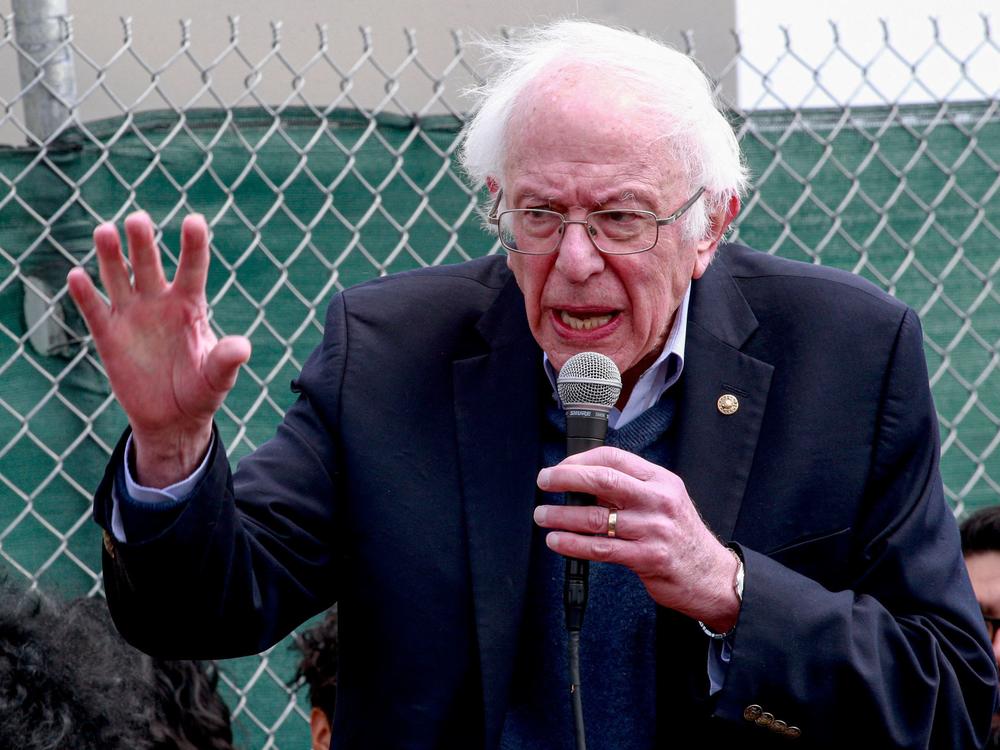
(575, 109)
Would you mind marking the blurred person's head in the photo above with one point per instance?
(981, 549)
(67, 680)
(188, 713)
(318, 671)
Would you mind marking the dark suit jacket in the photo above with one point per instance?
(402, 484)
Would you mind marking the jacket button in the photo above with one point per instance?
(779, 726)
(793, 732)
(765, 719)
(750, 713)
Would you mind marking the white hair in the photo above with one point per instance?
(693, 125)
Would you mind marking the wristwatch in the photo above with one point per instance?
(737, 589)
(738, 581)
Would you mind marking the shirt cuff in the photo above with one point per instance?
(135, 499)
(719, 654)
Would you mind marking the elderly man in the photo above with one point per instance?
(774, 558)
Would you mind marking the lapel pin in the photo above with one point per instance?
(728, 404)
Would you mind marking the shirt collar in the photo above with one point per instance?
(660, 375)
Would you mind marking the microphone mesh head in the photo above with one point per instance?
(589, 378)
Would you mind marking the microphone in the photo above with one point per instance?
(588, 384)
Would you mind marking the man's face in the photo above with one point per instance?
(984, 572)
(581, 142)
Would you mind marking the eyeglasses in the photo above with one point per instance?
(538, 231)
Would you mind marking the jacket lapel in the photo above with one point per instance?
(496, 410)
(713, 451)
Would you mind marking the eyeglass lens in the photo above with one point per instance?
(539, 232)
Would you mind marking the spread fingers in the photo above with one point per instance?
(87, 300)
(111, 264)
(144, 254)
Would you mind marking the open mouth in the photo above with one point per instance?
(582, 321)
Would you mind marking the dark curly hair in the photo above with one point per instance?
(318, 666)
(981, 531)
(67, 680)
(188, 713)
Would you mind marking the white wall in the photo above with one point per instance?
(918, 63)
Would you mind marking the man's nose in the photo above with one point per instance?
(578, 258)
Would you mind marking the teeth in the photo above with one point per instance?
(584, 324)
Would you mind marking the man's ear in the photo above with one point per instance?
(720, 221)
(492, 185)
(319, 728)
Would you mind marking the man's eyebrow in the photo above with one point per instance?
(624, 196)
(531, 196)
(538, 197)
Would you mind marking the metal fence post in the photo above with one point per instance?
(48, 80)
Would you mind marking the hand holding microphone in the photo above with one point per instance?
(659, 533)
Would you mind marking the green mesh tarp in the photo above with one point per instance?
(302, 205)
(908, 197)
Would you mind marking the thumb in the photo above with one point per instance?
(223, 362)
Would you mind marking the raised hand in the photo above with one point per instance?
(659, 533)
(168, 370)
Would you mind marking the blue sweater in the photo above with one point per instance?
(618, 641)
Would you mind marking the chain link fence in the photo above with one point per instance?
(337, 182)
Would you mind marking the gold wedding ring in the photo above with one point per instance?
(612, 523)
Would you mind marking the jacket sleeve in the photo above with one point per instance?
(245, 558)
(897, 659)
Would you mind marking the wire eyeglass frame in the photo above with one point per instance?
(495, 218)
